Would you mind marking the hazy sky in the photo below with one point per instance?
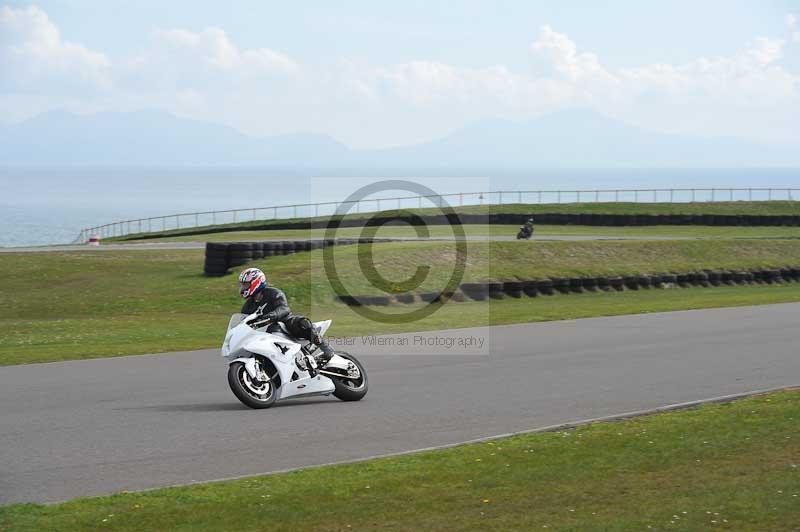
(375, 74)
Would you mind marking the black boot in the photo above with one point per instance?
(326, 352)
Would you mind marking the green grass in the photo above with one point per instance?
(759, 208)
(482, 230)
(727, 466)
(528, 260)
(74, 305)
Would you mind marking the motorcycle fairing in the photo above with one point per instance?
(281, 350)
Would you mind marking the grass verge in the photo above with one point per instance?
(511, 260)
(110, 303)
(731, 466)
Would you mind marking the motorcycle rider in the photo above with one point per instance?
(529, 225)
(270, 303)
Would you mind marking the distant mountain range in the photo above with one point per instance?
(565, 139)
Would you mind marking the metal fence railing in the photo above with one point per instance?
(232, 216)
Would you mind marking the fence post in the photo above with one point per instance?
(655, 195)
(672, 195)
(769, 194)
(579, 196)
(558, 197)
(616, 196)
(692, 195)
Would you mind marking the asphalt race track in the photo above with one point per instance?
(82, 428)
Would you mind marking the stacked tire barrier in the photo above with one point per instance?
(222, 256)
(547, 287)
(612, 220)
(216, 264)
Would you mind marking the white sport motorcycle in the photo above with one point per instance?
(265, 367)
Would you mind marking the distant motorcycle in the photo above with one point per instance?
(526, 230)
(265, 367)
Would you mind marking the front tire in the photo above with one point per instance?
(348, 387)
(250, 392)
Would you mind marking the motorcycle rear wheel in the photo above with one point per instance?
(247, 390)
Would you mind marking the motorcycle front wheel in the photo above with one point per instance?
(252, 393)
(353, 385)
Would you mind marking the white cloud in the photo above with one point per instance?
(750, 75)
(559, 54)
(206, 62)
(212, 49)
(34, 55)
(791, 24)
(720, 89)
(205, 74)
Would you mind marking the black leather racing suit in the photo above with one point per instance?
(271, 304)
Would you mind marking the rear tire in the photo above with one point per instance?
(246, 390)
(348, 389)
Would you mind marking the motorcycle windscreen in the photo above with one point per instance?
(236, 319)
